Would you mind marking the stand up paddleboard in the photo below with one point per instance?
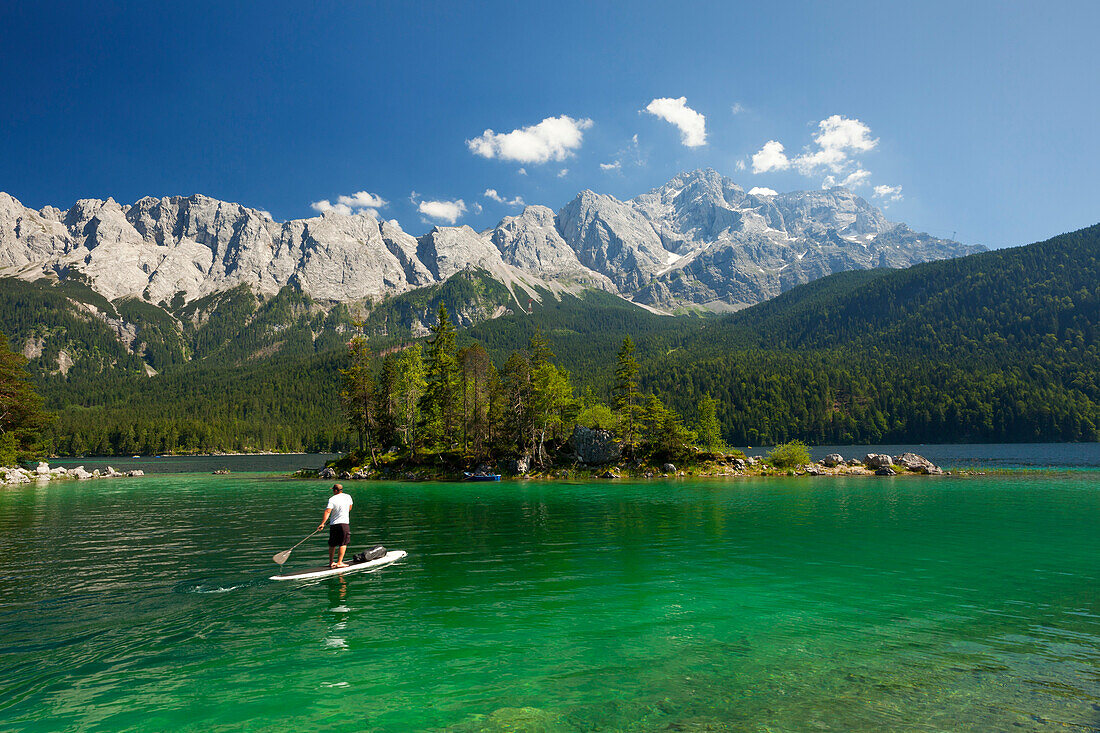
(324, 572)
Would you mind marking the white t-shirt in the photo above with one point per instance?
(340, 504)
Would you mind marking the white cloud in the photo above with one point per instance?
(266, 214)
(692, 125)
(737, 108)
(491, 193)
(761, 191)
(522, 171)
(555, 138)
(837, 138)
(448, 211)
(740, 165)
(889, 193)
(563, 173)
(363, 200)
(856, 178)
(616, 166)
(770, 158)
(325, 206)
(357, 203)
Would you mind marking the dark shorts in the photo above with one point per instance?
(339, 535)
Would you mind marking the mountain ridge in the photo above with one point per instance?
(697, 242)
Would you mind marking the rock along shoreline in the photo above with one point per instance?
(719, 465)
(17, 475)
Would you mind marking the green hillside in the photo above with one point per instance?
(998, 346)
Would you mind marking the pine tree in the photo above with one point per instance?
(626, 394)
(408, 394)
(477, 377)
(358, 395)
(21, 414)
(442, 395)
(709, 430)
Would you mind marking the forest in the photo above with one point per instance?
(1000, 346)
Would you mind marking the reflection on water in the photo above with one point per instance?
(780, 605)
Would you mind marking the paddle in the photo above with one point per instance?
(282, 556)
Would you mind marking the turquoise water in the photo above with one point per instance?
(923, 604)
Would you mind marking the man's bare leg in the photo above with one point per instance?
(331, 550)
(340, 560)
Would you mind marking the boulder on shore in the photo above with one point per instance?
(327, 473)
(877, 460)
(135, 472)
(518, 466)
(594, 446)
(886, 471)
(917, 463)
(833, 460)
(43, 469)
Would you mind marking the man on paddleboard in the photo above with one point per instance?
(337, 514)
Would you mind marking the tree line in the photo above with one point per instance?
(441, 401)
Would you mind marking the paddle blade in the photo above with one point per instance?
(281, 557)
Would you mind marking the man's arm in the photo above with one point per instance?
(324, 519)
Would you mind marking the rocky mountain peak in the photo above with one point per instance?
(697, 241)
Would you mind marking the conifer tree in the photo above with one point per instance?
(627, 396)
(709, 430)
(409, 391)
(477, 377)
(21, 414)
(442, 395)
(358, 394)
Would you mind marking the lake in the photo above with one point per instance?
(785, 604)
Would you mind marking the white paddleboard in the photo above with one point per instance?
(323, 572)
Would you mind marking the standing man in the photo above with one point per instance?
(337, 514)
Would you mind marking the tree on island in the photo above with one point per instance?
(627, 396)
(21, 414)
(358, 395)
(709, 429)
(442, 400)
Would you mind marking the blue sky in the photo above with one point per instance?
(983, 113)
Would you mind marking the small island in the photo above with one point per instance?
(451, 414)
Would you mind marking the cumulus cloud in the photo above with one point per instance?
(692, 125)
(770, 158)
(448, 211)
(761, 191)
(356, 203)
(555, 138)
(491, 193)
(563, 173)
(888, 193)
(616, 166)
(855, 179)
(737, 108)
(837, 138)
(522, 171)
(325, 206)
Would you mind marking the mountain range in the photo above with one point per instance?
(699, 242)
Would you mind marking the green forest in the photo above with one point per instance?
(996, 347)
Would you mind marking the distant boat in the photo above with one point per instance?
(135, 456)
(481, 476)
